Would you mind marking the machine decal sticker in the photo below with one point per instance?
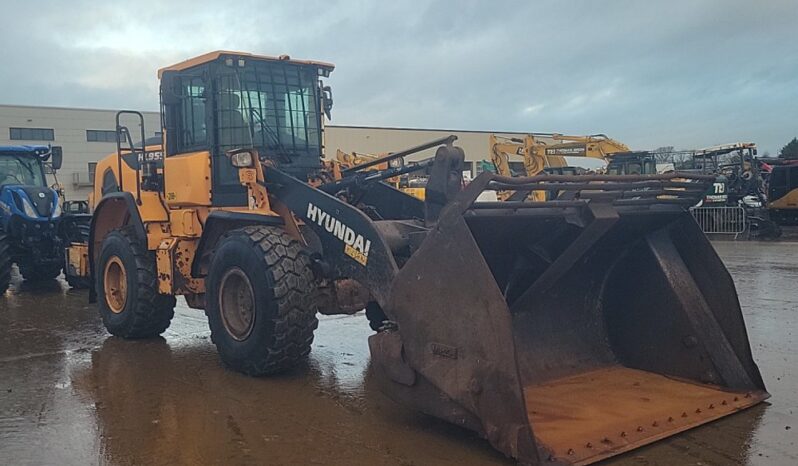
(355, 246)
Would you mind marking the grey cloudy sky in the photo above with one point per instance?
(649, 73)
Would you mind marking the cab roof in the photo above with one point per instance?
(215, 55)
(725, 148)
(24, 150)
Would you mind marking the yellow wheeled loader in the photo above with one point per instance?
(563, 331)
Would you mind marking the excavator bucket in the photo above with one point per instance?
(571, 330)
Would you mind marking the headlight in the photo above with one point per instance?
(241, 159)
(57, 210)
(397, 163)
(28, 208)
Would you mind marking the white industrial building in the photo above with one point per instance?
(87, 135)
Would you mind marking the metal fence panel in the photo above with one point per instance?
(720, 220)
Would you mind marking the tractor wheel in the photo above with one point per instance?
(127, 288)
(261, 301)
(5, 263)
(39, 273)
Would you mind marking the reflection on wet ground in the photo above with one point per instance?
(69, 394)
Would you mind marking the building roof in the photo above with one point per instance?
(211, 56)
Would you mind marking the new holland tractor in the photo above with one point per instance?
(563, 331)
(34, 230)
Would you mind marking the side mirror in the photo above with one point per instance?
(327, 100)
(56, 157)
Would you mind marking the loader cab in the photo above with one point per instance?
(632, 163)
(225, 101)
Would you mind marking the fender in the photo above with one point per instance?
(218, 223)
(113, 211)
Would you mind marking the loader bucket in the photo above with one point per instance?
(571, 330)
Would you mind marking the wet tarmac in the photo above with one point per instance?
(70, 394)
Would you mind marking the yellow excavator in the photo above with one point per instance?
(538, 155)
(563, 331)
(620, 159)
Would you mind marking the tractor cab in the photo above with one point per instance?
(24, 192)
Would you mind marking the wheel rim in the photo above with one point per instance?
(115, 284)
(237, 304)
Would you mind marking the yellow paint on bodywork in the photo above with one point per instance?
(77, 262)
(188, 179)
(174, 258)
(185, 223)
(788, 201)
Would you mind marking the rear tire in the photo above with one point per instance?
(261, 300)
(5, 263)
(127, 288)
(39, 273)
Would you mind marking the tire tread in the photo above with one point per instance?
(295, 299)
(153, 311)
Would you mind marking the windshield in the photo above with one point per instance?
(273, 107)
(21, 170)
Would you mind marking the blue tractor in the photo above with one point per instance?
(33, 231)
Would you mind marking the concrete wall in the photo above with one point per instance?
(70, 125)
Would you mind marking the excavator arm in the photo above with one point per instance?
(597, 146)
(500, 147)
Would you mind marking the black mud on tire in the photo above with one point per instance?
(5, 263)
(78, 283)
(285, 300)
(146, 313)
(375, 315)
(39, 273)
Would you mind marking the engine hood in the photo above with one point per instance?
(43, 199)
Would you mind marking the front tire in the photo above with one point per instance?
(261, 300)
(127, 288)
(5, 263)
